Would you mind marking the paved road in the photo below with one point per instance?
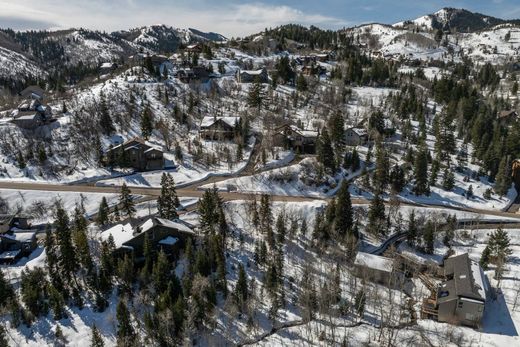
(153, 193)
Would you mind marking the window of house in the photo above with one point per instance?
(460, 304)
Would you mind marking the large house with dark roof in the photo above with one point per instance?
(136, 154)
(250, 76)
(461, 297)
(218, 128)
(166, 235)
(356, 136)
(17, 239)
(291, 137)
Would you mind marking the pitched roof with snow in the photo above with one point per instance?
(359, 131)
(210, 120)
(126, 231)
(121, 233)
(375, 262)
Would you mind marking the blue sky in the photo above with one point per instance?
(229, 17)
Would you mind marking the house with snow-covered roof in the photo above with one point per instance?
(32, 113)
(166, 235)
(17, 239)
(219, 128)
(356, 136)
(291, 137)
(377, 269)
(137, 154)
(250, 76)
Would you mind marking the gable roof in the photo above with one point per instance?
(135, 143)
(33, 90)
(468, 279)
(208, 121)
(294, 128)
(254, 72)
(507, 113)
(374, 262)
(359, 131)
(128, 230)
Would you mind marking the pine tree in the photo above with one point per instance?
(209, 210)
(96, 340)
(125, 331)
(42, 155)
(146, 123)
(160, 274)
(241, 289)
(301, 83)
(337, 128)
(326, 152)
(67, 262)
(397, 179)
(80, 239)
(485, 258)
(21, 160)
(411, 236)
(448, 180)
(168, 201)
(105, 121)
(356, 162)
(376, 216)
(126, 201)
(503, 178)
(382, 168)
(469, 192)
(499, 244)
(103, 213)
(429, 237)
(343, 220)
(6, 291)
(256, 97)
(421, 172)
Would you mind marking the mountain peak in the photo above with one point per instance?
(456, 19)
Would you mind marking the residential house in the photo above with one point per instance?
(461, 297)
(31, 114)
(250, 76)
(507, 117)
(17, 239)
(136, 154)
(197, 73)
(290, 136)
(129, 236)
(356, 136)
(194, 48)
(219, 128)
(377, 269)
(158, 61)
(106, 68)
(33, 92)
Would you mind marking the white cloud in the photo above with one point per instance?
(230, 20)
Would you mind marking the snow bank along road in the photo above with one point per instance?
(193, 191)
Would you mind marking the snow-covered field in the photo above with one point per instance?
(40, 204)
